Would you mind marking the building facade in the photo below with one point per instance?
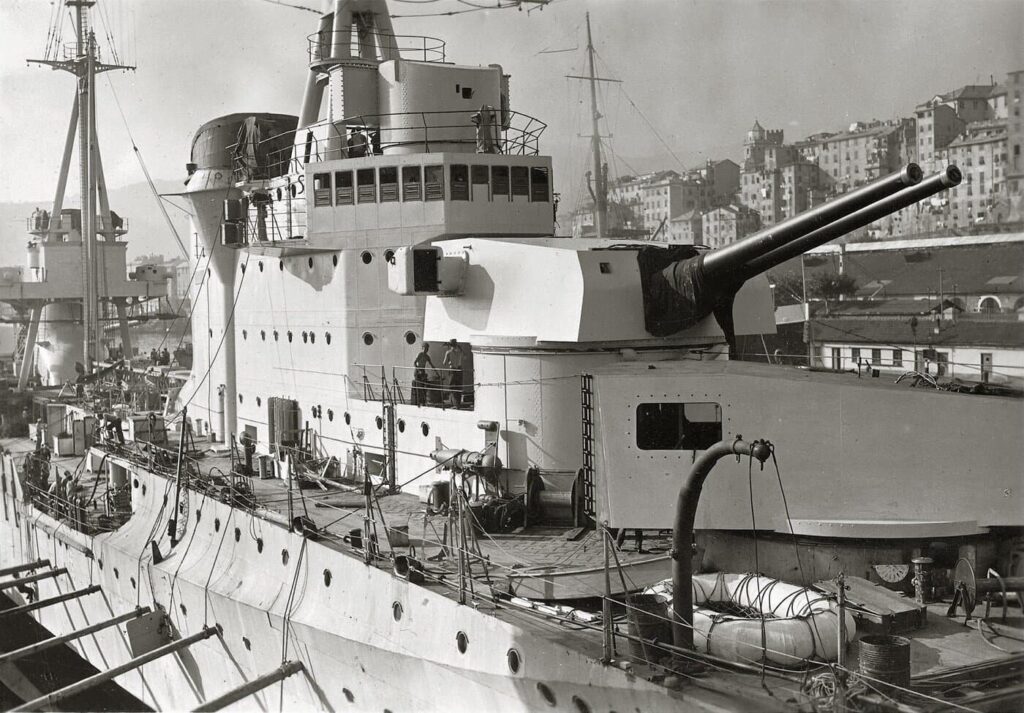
(727, 224)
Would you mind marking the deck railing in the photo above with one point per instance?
(322, 48)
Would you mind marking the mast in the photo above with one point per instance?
(597, 182)
(600, 187)
(84, 62)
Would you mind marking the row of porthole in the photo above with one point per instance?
(309, 337)
(378, 421)
(366, 256)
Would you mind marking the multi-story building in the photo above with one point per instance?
(723, 180)
(937, 126)
(861, 154)
(662, 199)
(758, 141)
(727, 224)
(686, 228)
(971, 102)
(1014, 141)
(980, 153)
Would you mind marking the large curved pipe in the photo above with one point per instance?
(732, 258)
(682, 531)
(950, 177)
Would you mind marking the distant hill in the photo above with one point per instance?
(148, 232)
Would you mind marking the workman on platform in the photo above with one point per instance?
(420, 378)
(452, 364)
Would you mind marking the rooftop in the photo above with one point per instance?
(961, 333)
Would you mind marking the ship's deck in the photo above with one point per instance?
(546, 563)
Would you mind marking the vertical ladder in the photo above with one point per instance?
(587, 403)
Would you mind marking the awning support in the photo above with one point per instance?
(42, 603)
(38, 564)
(247, 689)
(49, 699)
(33, 578)
(79, 633)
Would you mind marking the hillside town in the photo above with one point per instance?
(935, 290)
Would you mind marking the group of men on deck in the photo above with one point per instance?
(450, 380)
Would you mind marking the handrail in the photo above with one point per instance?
(321, 46)
(519, 135)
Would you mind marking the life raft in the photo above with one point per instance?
(799, 624)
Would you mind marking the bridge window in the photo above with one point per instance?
(366, 181)
(460, 182)
(388, 184)
(344, 194)
(678, 426)
(433, 182)
(520, 181)
(412, 183)
(321, 189)
(481, 176)
(539, 185)
(499, 181)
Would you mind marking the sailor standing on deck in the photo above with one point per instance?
(420, 378)
(452, 363)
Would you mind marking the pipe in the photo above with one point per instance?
(58, 640)
(682, 531)
(49, 699)
(950, 177)
(733, 257)
(247, 689)
(42, 603)
(38, 564)
(33, 578)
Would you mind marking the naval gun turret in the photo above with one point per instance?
(683, 285)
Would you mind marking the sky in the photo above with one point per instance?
(695, 74)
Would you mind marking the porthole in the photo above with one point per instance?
(259, 544)
(389, 256)
(366, 257)
(284, 557)
(401, 425)
(310, 263)
(238, 534)
(367, 338)
(546, 693)
(210, 331)
(410, 337)
(327, 337)
(397, 611)
(348, 418)
(135, 482)
(349, 696)
(280, 264)
(330, 414)
(216, 524)
(243, 268)
(305, 337)
(132, 580)
(312, 337)
(117, 574)
(263, 335)
(290, 335)
(581, 705)
(276, 335)
(379, 422)
(334, 259)
(199, 515)
(462, 642)
(261, 265)
(184, 609)
(293, 189)
(259, 401)
(240, 398)
(280, 194)
(514, 660)
(327, 577)
(246, 643)
(245, 334)
(425, 427)
(100, 563)
(143, 488)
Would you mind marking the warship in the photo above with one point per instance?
(432, 456)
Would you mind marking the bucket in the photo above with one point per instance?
(398, 536)
(648, 619)
(886, 660)
(440, 494)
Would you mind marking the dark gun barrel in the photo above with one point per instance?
(937, 183)
(733, 258)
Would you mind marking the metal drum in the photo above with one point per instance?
(885, 662)
(648, 620)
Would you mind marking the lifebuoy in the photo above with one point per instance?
(798, 623)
